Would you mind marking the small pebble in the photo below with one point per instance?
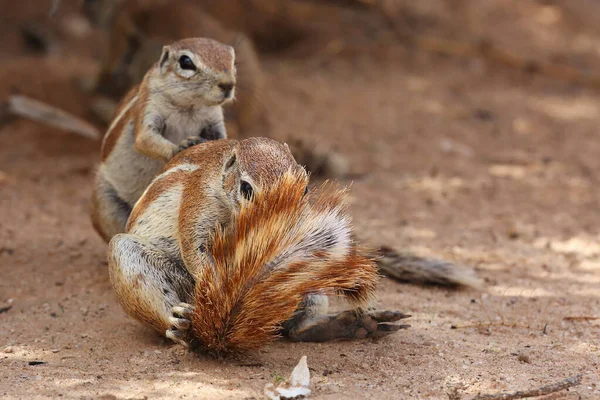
(524, 358)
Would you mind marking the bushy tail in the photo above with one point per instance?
(410, 268)
(282, 246)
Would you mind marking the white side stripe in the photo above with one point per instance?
(119, 117)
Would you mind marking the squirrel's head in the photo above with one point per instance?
(255, 164)
(197, 71)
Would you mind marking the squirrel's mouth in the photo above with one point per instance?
(227, 97)
(226, 101)
(216, 101)
(219, 99)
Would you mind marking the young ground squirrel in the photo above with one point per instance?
(178, 104)
(226, 248)
(137, 29)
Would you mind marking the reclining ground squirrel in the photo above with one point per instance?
(178, 104)
(226, 248)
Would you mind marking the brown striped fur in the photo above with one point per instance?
(112, 136)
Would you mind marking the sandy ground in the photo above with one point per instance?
(480, 165)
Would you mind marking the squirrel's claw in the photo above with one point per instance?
(385, 329)
(374, 324)
(177, 336)
(191, 141)
(183, 310)
(180, 316)
(180, 322)
(387, 316)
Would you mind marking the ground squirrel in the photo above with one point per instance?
(227, 247)
(137, 29)
(178, 104)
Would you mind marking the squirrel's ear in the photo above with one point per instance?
(230, 161)
(164, 58)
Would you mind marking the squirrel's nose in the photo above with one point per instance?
(227, 88)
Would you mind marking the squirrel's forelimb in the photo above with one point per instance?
(147, 282)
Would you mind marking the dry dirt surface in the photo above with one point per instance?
(456, 158)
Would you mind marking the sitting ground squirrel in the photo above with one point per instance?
(137, 29)
(180, 97)
(231, 228)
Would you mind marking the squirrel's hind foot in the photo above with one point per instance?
(181, 324)
(348, 325)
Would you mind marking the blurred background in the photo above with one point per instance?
(389, 93)
(467, 128)
(372, 78)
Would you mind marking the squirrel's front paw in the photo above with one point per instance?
(191, 141)
(180, 323)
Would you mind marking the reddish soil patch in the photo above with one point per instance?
(458, 159)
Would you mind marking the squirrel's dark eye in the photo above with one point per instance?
(186, 63)
(246, 190)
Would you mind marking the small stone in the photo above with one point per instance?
(34, 363)
(524, 358)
